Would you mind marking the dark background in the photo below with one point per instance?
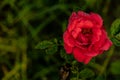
(25, 23)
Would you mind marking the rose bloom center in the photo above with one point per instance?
(86, 31)
(85, 37)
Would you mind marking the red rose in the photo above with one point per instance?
(85, 36)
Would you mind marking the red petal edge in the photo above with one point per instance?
(68, 49)
(97, 18)
(80, 57)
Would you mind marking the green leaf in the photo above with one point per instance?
(115, 28)
(115, 32)
(116, 42)
(66, 56)
(63, 53)
(118, 36)
(52, 49)
(44, 44)
(115, 67)
(86, 73)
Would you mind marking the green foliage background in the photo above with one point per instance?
(31, 46)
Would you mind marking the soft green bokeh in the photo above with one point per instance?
(25, 24)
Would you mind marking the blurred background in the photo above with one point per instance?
(25, 23)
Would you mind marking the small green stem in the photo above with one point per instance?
(110, 53)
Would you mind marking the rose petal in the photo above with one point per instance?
(97, 18)
(76, 32)
(103, 44)
(96, 35)
(92, 53)
(72, 25)
(83, 14)
(88, 23)
(72, 17)
(80, 57)
(72, 21)
(85, 24)
(76, 29)
(106, 45)
(97, 43)
(68, 39)
(87, 60)
(68, 48)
